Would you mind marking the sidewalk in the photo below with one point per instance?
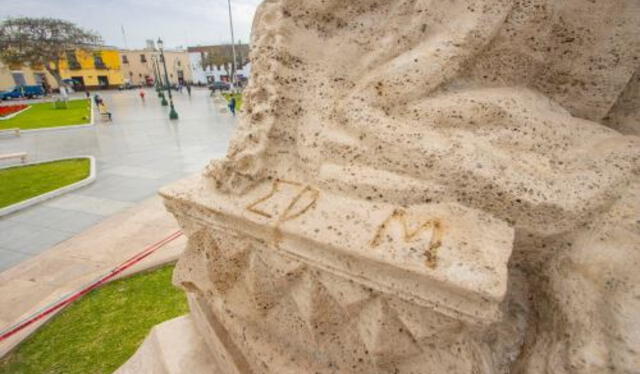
(40, 280)
(139, 152)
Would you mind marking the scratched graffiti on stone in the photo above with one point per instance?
(411, 230)
(296, 205)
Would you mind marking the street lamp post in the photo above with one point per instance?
(160, 84)
(156, 73)
(172, 113)
(233, 48)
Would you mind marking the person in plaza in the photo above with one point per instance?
(232, 105)
(97, 99)
(142, 94)
(102, 107)
(189, 89)
(87, 94)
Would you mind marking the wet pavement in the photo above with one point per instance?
(140, 151)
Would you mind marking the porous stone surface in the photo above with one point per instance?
(423, 186)
(172, 347)
(291, 278)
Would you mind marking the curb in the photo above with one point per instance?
(55, 193)
(58, 128)
(14, 114)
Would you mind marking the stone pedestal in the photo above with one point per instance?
(290, 279)
(393, 157)
(172, 347)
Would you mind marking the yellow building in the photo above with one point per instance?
(80, 69)
(92, 69)
(11, 76)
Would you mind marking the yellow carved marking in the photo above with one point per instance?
(251, 207)
(286, 215)
(431, 252)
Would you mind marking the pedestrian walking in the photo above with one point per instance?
(232, 105)
(97, 99)
(87, 94)
(189, 89)
(142, 95)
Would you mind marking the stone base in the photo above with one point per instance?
(290, 278)
(172, 347)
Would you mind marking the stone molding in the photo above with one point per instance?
(259, 265)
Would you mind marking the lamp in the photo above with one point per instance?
(172, 113)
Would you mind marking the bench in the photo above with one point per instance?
(15, 130)
(104, 112)
(21, 155)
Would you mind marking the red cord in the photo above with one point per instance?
(95, 284)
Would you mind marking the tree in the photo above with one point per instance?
(221, 56)
(42, 42)
(217, 60)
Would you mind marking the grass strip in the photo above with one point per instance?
(43, 115)
(19, 183)
(101, 331)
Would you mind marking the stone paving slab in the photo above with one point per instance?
(39, 280)
(88, 204)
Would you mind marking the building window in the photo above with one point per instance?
(72, 59)
(98, 62)
(125, 59)
(143, 58)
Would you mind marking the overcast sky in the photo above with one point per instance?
(177, 22)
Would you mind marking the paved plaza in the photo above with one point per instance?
(140, 151)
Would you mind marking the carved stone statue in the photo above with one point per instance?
(424, 186)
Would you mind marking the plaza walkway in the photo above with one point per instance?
(38, 283)
(140, 151)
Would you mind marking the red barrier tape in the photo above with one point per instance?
(93, 285)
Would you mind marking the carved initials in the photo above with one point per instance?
(400, 216)
(290, 211)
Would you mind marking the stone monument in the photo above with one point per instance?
(422, 186)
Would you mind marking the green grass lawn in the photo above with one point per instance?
(238, 97)
(43, 115)
(101, 331)
(24, 182)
